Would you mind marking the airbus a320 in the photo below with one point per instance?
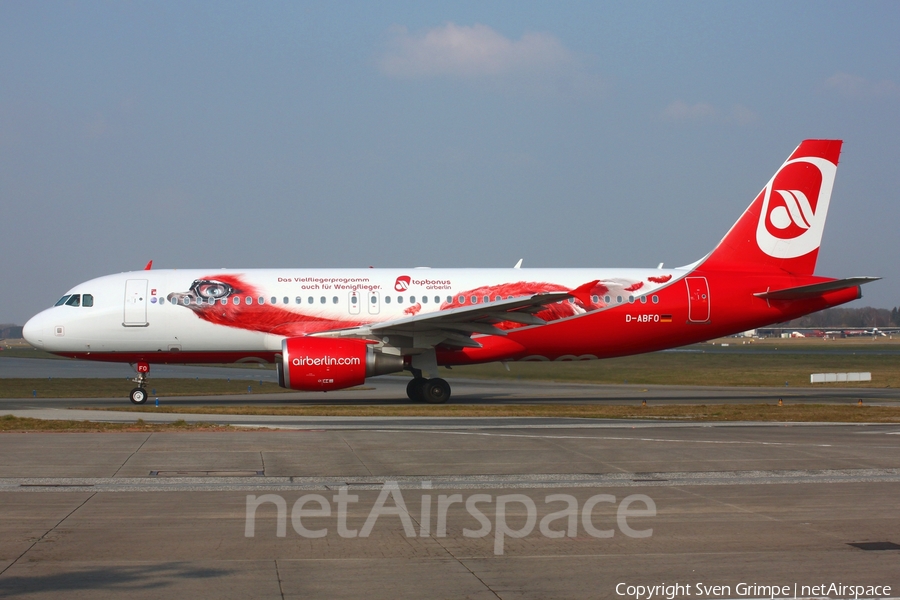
(329, 329)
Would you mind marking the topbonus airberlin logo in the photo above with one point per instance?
(795, 204)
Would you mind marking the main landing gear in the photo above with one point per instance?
(432, 391)
(139, 394)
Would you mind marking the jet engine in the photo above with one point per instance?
(322, 364)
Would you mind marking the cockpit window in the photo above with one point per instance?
(74, 300)
(87, 300)
(61, 301)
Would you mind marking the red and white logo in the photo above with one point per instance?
(794, 206)
(402, 283)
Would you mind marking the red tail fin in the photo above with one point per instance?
(782, 228)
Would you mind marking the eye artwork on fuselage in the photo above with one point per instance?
(211, 299)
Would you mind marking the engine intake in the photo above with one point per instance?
(322, 364)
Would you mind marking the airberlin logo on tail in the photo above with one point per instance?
(795, 204)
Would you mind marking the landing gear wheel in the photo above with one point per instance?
(414, 389)
(435, 391)
(138, 395)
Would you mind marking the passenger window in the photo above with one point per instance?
(618, 299)
(224, 301)
(595, 299)
(655, 299)
(310, 300)
(74, 300)
(61, 301)
(497, 298)
(260, 300)
(353, 300)
(462, 299)
(186, 301)
(286, 300)
(334, 300)
(486, 299)
(474, 299)
(87, 300)
(298, 300)
(606, 299)
(424, 299)
(237, 300)
(631, 299)
(412, 299)
(387, 299)
(274, 300)
(643, 299)
(374, 299)
(248, 300)
(399, 299)
(322, 300)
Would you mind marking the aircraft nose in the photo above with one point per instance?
(33, 331)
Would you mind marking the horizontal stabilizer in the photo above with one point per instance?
(806, 291)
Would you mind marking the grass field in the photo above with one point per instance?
(702, 367)
(11, 424)
(762, 363)
(713, 413)
(111, 388)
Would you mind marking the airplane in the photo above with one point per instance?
(329, 329)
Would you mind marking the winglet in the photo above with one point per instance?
(583, 292)
(149, 266)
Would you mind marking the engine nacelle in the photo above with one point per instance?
(322, 364)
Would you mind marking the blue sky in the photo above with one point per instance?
(457, 134)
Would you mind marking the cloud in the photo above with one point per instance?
(854, 86)
(469, 52)
(679, 111)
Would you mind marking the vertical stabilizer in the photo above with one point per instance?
(782, 228)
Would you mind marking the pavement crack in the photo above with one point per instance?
(46, 533)
(447, 550)
(280, 584)
(130, 456)
(355, 455)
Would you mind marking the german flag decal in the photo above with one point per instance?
(665, 318)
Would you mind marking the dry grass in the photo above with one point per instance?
(719, 412)
(707, 366)
(11, 424)
(111, 388)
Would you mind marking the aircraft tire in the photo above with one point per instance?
(414, 389)
(436, 391)
(138, 396)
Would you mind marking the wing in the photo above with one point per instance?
(455, 327)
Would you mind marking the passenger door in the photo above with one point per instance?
(135, 303)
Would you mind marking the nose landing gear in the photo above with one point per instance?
(139, 394)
